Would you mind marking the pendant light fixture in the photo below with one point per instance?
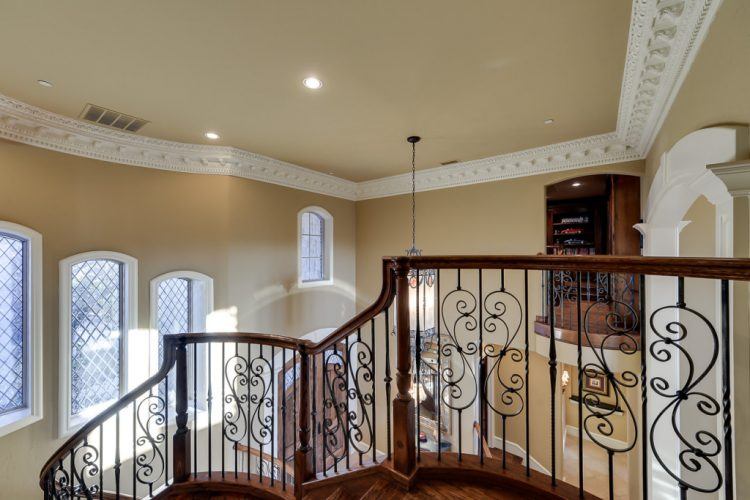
(425, 276)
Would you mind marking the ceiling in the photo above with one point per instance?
(474, 79)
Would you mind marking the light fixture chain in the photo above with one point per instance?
(413, 195)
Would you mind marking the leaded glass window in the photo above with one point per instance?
(13, 323)
(173, 309)
(97, 301)
(312, 247)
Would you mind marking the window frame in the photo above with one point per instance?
(198, 320)
(33, 412)
(327, 249)
(69, 423)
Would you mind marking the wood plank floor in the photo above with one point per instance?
(435, 489)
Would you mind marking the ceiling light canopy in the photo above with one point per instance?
(549, 121)
(44, 83)
(312, 83)
(212, 135)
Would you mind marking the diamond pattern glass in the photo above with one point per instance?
(12, 323)
(96, 328)
(172, 309)
(173, 313)
(312, 238)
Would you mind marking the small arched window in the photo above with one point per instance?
(20, 327)
(315, 247)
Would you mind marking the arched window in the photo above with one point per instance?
(315, 262)
(98, 308)
(180, 303)
(20, 327)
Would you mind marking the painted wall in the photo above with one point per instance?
(222, 226)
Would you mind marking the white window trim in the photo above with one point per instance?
(327, 248)
(18, 419)
(69, 423)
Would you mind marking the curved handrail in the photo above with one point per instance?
(688, 267)
(170, 343)
(384, 300)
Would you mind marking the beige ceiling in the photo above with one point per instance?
(474, 78)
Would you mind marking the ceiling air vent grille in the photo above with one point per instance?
(111, 118)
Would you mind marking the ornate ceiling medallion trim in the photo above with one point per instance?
(663, 40)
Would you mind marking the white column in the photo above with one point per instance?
(662, 241)
(736, 176)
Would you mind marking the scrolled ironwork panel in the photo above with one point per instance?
(503, 317)
(699, 451)
(361, 375)
(236, 376)
(619, 339)
(335, 404)
(151, 462)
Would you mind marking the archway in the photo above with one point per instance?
(683, 178)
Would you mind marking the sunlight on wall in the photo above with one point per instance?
(222, 320)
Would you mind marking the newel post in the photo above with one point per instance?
(404, 453)
(181, 439)
(303, 464)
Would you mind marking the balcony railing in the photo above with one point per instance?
(279, 417)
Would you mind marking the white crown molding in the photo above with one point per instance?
(28, 124)
(663, 40)
(590, 151)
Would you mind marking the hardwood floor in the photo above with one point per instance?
(434, 489)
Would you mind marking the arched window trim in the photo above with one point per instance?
(327, 248)
(70, 423)
(12, 421)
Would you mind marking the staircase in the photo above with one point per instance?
(286, 418)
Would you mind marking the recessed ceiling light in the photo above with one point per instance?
(312, 83)
(212, 135)
(549, 121)
(44, 83)
(576, 184)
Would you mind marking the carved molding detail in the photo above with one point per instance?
(28, 124)
(664, 38)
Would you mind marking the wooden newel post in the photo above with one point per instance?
(181, 439)
(405, 452)
(303, 464)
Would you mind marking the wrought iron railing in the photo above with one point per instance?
(281, 416)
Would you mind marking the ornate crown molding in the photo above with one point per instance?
(28, 124)
(663, 41)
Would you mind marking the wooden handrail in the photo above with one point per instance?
(688, 267)
(485, 446)
(384, 300)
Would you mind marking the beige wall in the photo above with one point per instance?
(221, 226)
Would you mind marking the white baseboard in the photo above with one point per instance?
(605, 440)
(519, 451)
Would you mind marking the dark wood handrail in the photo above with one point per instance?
(689, 267)
(384, 300)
